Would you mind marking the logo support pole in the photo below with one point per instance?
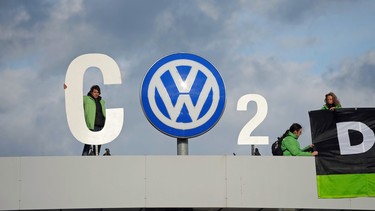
(182, 146)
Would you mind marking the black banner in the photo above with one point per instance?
(324, 131)
(345, 140)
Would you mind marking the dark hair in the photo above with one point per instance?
(292, 128)
(92, 89)
(336, 101)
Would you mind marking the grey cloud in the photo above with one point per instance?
(18, 20)
(293, 11)
(35, 12)
(355, 73)
(352, 81)
(158, 25)
(298, 12)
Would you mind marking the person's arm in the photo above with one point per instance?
(293, 147)
(308, 148)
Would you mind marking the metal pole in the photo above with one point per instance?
(182, 146)
(252, 150)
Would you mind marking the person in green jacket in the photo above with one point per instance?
(94, 109)
(331, 102)
(290, 144)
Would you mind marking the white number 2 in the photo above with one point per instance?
(245, 138)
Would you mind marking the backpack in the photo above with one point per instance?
(276, 147)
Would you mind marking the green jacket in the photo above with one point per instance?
(291, 146)
(89, 108)
(325, 107)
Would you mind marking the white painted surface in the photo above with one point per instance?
(164, 181)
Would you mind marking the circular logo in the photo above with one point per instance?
(183, 95)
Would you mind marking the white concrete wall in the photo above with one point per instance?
(164, 181)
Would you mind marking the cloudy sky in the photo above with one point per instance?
(290, 52)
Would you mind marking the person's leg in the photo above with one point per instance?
(97, 146)
(97, 128)
(86, 149)
(91, 151)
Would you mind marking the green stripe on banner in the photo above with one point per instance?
(346, 185)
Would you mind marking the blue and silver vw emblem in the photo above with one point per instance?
(183, 95)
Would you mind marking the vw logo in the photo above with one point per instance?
(183, 95)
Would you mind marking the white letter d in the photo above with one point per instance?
(344, 141)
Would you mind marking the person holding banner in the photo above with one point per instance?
(94, 109)
(290, 145)
(331, 102)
